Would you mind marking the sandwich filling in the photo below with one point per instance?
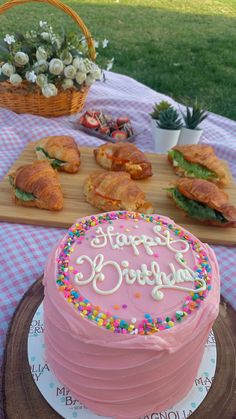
(191, 169)
(55, 163)
(19, 193)
(196, 209)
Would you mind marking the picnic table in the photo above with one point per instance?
(25, 248)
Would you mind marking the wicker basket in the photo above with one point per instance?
(22, 100)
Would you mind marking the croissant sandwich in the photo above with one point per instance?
(204, 201)
(124, 157)
(61, 151)
(199, 161)
(37, 185)
(111, 191)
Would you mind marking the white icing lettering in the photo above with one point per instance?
(119, 241)
(96, 275)
(142, 276)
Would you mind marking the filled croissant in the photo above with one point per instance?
(112, 191)
(61, 151)
(124, 157)
(203, 201)
(37, 185)
(199, 161)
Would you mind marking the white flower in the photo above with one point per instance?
(41, 80)
(96, 44)
(31, 76)
(49, 90)
(45, 36)
(84, 43)
(80, 77)
(41, 66)
(105, 43)
(41, 54)
(89, 80)
(56, 66)
(31, 35)
(96, 72)
(55, 41)
(70, 72)
(15, 79)
(21, 58)
(66, 57)
(8, 69)
(9, 39)
(88, 65)
(67, 84)
(110, 64)
(78, 63)
(42, 23)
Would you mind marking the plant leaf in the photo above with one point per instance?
(4, 54)
(4, 46)
(2, 76)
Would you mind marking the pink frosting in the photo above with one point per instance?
(126, 375)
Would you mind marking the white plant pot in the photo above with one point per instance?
(189, 136)
(164, 139)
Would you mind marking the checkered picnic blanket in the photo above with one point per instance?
(24, 248)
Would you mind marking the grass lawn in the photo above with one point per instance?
(183, 48)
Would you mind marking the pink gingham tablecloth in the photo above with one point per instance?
(24, 248)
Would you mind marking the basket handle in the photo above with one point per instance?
(68, 10)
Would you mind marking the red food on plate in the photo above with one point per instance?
(81, 120)
(122, 120)
(90, 122)
(104, 130)
(117, 128)
(113, 126)
(119, 135)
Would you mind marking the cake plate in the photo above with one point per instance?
(22, 399)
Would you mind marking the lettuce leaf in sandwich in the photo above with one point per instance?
(190, 169)
(55, 163)
(19, 193)
(196, 209)
(204, 201)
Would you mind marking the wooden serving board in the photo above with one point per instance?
(75, 205)
(22, 399)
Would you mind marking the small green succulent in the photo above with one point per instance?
(159, 107)
(193, 117)
(169, 119)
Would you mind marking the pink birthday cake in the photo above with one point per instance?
(129, 302)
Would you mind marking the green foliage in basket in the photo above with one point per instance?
(48, 60)
(169, 119)
(159, 107)
(193, 117)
